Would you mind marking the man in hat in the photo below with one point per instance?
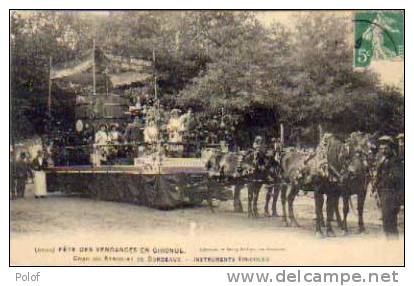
(389, 186)
(259, 154)
(258, 143)
(12, 165)
(401, 147)
(276, 151)
(385, 148)
(134, 131)
(87, 134)
(21, 173)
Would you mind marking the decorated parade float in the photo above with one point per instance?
(125, 147)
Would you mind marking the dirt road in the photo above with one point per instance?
(42, 228)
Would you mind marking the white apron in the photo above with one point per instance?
(40, 183)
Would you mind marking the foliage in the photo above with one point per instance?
(210, 60)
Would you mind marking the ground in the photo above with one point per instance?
(41, 229)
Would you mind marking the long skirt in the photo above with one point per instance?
(40, 183)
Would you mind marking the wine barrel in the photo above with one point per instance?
(100, 109)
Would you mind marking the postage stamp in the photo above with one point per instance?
(379, 35)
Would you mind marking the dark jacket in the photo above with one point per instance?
(134, 133)
(21, 170)
(390, 174)
(37, 166)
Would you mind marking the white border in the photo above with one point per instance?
(186, 276)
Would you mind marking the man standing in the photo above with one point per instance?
(134, 131)
(401, 148)
(88, 134)
(276, 149)
(258, 175)
(389, 186)
(258, 144)
(12, 164)
(22, 173)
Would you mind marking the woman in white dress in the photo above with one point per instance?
(39, 166)
(100, 146)
(175, 129)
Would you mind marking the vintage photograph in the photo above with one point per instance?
(206, 138)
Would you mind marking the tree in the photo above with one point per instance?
(34, 38)
(245, 61)
(209, 60)
(332, 92)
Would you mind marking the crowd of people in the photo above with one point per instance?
(359, 164)
(143, 134)
(386, 166)
(152, 125)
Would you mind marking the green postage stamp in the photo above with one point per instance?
(379, 35)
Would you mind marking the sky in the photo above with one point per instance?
(390, 72)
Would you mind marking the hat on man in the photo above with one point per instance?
(258, 138)
(400, 136)
(385, 140)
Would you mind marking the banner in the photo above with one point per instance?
(128, 63)
(128, 78)
(72, 68)
(120, 70)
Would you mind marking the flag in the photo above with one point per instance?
(120, 70)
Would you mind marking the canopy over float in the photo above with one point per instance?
(153, 178)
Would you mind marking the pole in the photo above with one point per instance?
(320, 129)
(49, 98)
(157, 119)
(282, 134)
(93, 69)
(106, 84)
(155, 76)
(106, 81)
(157, 102)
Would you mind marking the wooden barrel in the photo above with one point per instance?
(100, 109)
